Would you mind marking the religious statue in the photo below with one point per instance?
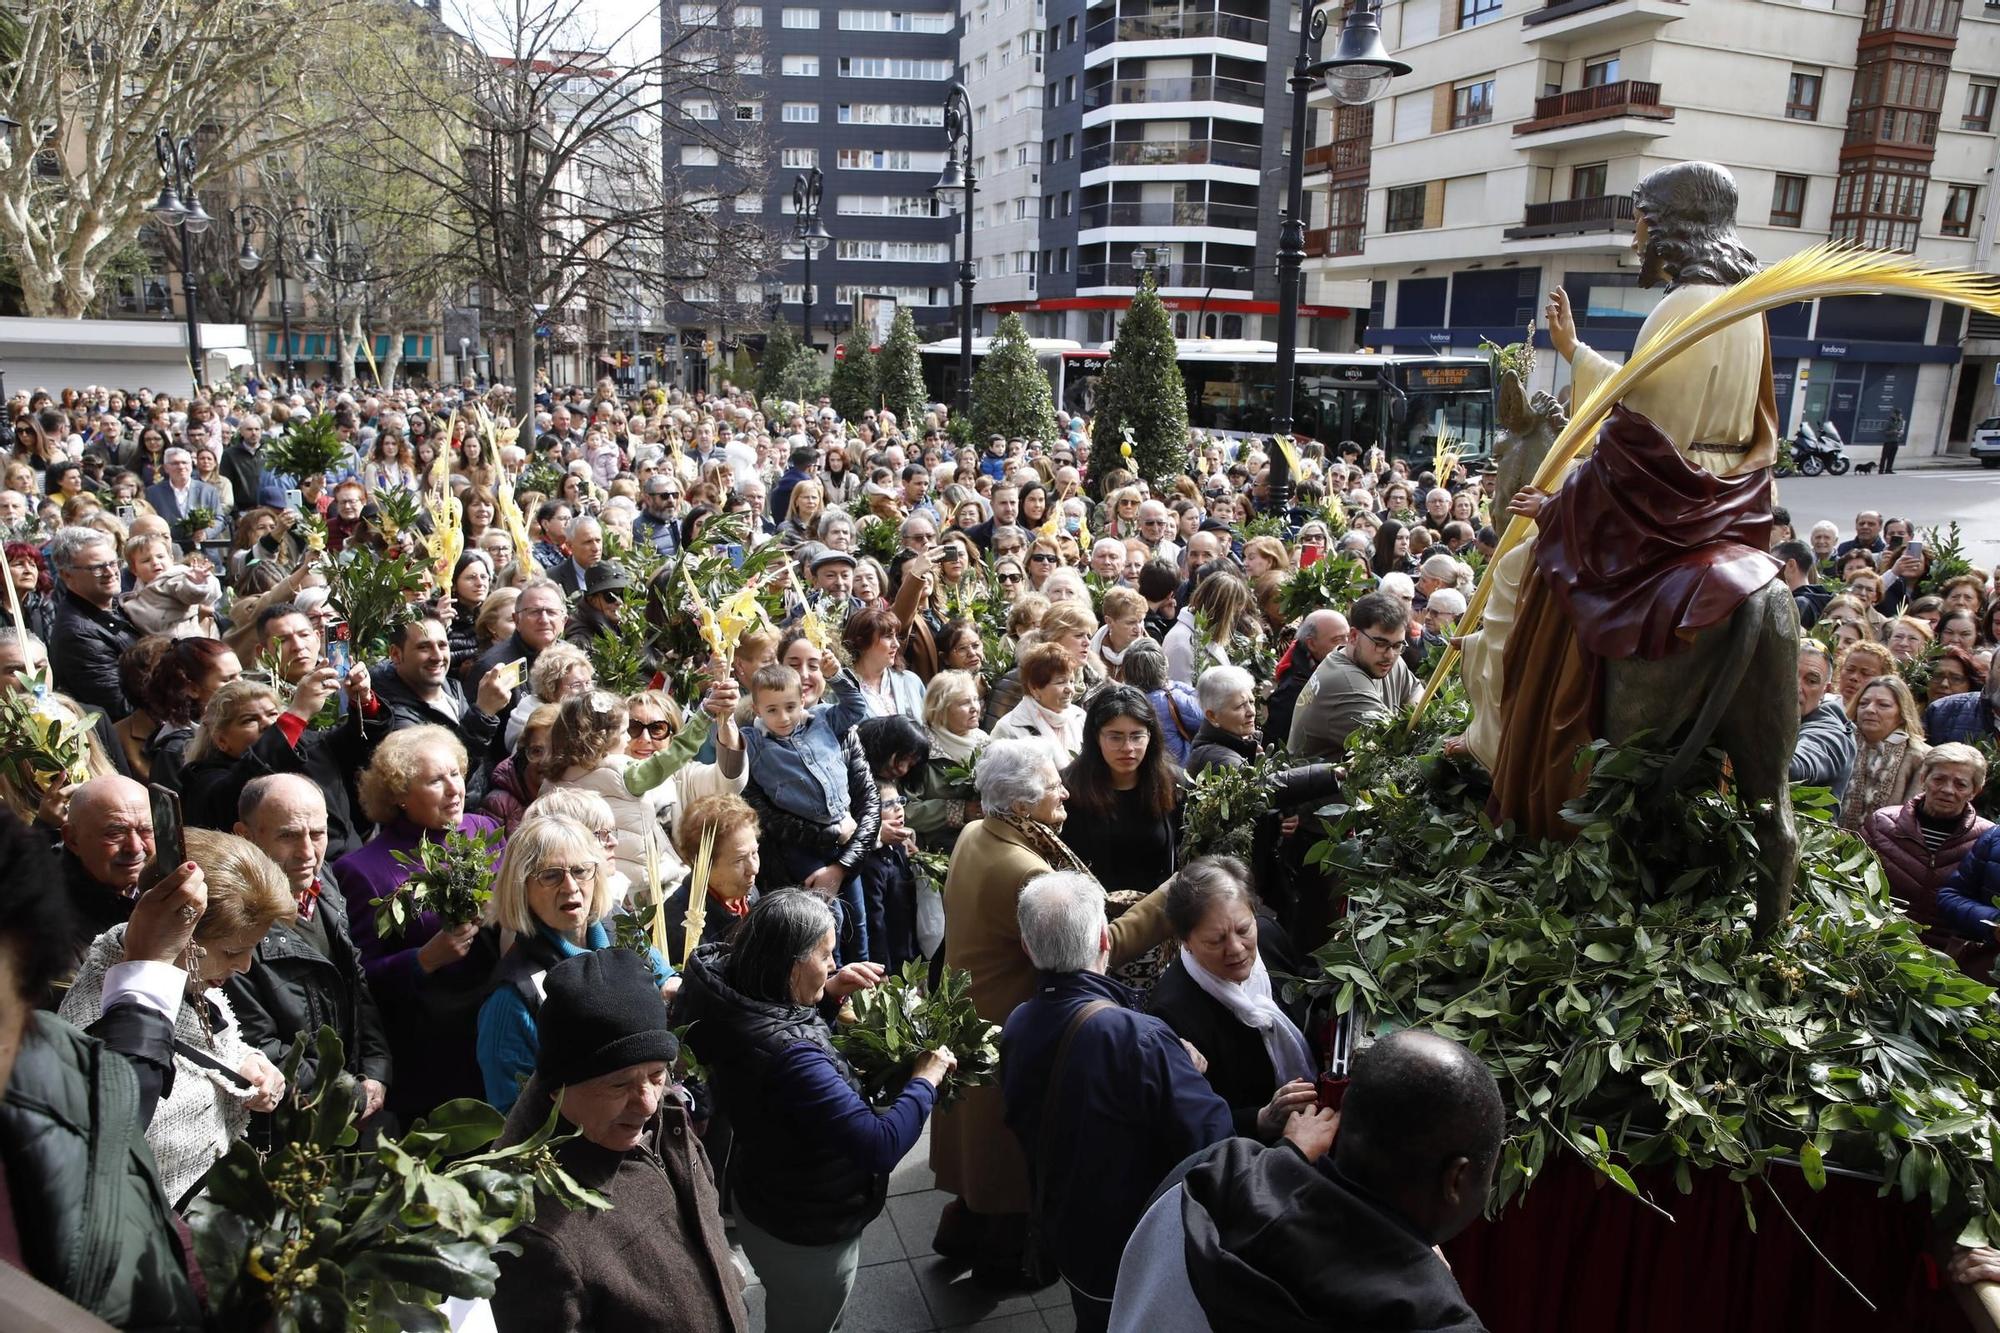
(1648, 600)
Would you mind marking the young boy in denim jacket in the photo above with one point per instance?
(815, 798)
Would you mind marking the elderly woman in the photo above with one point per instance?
(1217, 996)
(810, 1166)
(1046, 711)
(940, 798)
(1018, 837)
(206, 1110)
(1891, 744)
(551, 896)
(606, 1063)
(561, 671)
(1922, 842)
(732, 869)
(1907, 638)
(1956, 671)
(430, 977)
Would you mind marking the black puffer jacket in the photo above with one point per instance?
(801, 1190)
(84, 647)
(296, 989)
(1214, 747)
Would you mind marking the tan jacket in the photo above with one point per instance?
(973, 1152)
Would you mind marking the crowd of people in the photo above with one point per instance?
(966, 723)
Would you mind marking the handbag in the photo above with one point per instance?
(1039, 1265)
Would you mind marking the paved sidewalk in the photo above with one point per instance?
(906, 1288)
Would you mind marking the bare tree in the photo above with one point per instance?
(96, 80)
(542, 164)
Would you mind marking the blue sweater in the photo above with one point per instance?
(1966, 900)
(508, 1042)
(819, 1101)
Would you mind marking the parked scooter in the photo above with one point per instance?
(1814, 452)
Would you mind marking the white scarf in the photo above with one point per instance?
(1250, 1003)
(955, 749)
(1112, 656)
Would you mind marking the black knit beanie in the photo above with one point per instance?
(601, 1011)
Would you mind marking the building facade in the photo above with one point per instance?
(1504, 167)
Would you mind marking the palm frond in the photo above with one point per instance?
(1833, 268)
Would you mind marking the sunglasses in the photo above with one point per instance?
(1041, 558)
(1012, 578)
(659, 731)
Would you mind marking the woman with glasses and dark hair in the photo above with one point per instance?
(550, 900)
(1125, 795)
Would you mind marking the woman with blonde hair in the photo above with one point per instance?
(204, 1111)
(1907, 638)
(802, 507)
(561, 671)
(550, 900)
(1221, 608)
(662, 744)
(1044, 558)
(1264, 553)
(733, 863)
(1859, 664)
(939, 797)
(1890, 736)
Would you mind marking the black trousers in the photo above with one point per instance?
(1888, 458)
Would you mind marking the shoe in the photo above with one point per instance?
(959, 1232)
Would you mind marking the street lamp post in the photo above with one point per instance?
(277, 223)
(957, 186)
(178, 207)
(1356, 74)
(811, 235)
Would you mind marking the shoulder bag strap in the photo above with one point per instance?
(1053, 1096)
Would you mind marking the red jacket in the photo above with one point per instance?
(1916, 874)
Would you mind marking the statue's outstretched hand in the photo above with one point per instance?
(1561, 324)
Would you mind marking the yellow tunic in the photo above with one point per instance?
(1707, 394)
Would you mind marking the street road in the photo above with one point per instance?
(1926, 496)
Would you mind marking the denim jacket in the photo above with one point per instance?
(805, 773)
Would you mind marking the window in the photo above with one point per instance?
(748, 17)
(801, 66)
(698, 155)
(1802, 96)
(1587, 182)
(890, 113)
(902, 252)
(1978, 106)
(752, 65)
(889, 20)
(749, 203)
(1472, 13)
(1472, 103)
(801, 18)
(1406, 208)
(1879, 202)
(802, 113)
(1788, 201)
(1958, 207)
(1069, 146)
(885, 206)
(888, 159)
(885, 67)
(696, 16)
(698, 110)
(1600, 70)
(752, 111)
(793, 158)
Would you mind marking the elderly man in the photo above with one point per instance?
(1107, 559)
(606, 1052)
(1358, 683)
(750, 489)
(833, 584)
(1156, 529)
(307, 972)
(659, 523)
(586, 548)
(179, 491)
(1867, 535)
(917, 533)
(1319, 633)
(242, 463)
(90, 633)
(539, 617)
(1248, 1235)
(1104, 1099)
(107, 839)
(1824, 538)
(1824, 753)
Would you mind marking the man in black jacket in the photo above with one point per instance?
(1319, 634)
(1801, 574)
(1246, 1236)
(308, 973)
(604, 589)
(417, 688)
(90, 633)
(107, 839)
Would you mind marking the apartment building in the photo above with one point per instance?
(1504, 167)
(1001, 55)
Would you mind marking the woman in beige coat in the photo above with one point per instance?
(973, 1152)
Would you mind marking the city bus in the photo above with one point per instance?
(1399, 401)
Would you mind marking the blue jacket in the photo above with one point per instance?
(1131, 1106)
(1960, 717)
(1966, 901)
(509, 1043)
(804, 774)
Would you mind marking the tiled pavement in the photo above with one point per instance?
(904, 1287)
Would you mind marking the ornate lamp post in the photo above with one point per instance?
(1356, 74)
(178, 207)
(278, 225)
(957, 186)
(811, 235)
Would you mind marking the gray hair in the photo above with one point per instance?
(1145, 665)
(1219, 684)
(1061, 916)
(1200, 885)
(169, 455)
(1009, 774)
(1826, 525)
(903, 528)
(73, 542)
(27, 642)
(1439, 567)
(582, 523)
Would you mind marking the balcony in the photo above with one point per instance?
(1344, 157)
(1574, 217)
(1172, 153)
(1141, 92)
(1177, 27)
(1240, 217)
(1596, 20)
(1608, 110)
(1198, 277)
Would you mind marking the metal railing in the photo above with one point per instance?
(1242, 217)
(1223, 277)
(1627, 97)
(1604, 212)
(1205, 88)
(1173, 27)
(1172, 152)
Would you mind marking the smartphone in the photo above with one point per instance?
(340, 658)
(127, 513)
(1309, 556)
(169, 840)
(293, 498)
(1916, 549)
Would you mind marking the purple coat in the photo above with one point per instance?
(1915, 875)
(431, 1018)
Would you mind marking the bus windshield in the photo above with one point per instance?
(1467, 418)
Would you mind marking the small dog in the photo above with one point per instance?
(1863, 469)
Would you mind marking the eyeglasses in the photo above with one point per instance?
(1012, 578)
(659, 731)
(101, 567)
(1386, 645)
(1041, 558)
(553, 876)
